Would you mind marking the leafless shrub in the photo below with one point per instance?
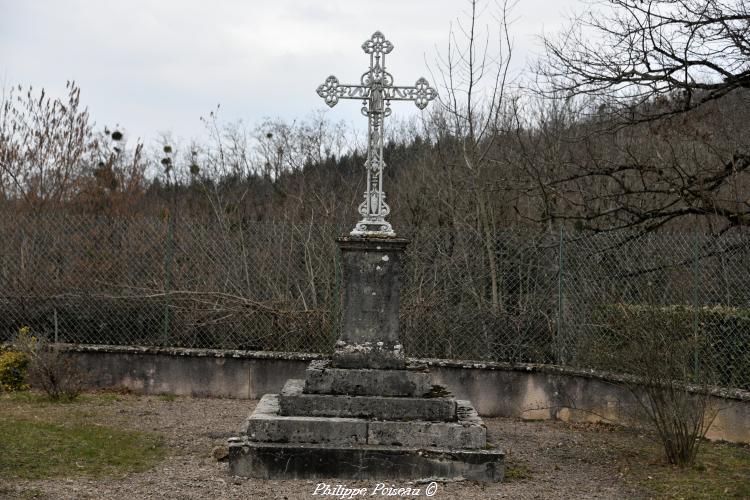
(669, 381)
(50, 369)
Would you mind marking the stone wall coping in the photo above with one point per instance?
(349, 243)
(721, 392)
(193, 352)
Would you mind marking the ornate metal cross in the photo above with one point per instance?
(376, 90)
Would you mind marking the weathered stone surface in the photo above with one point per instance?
(468, 433)
(432, 434)
(313, 461)
(466, 413)
(379, 355)
(292, 401)
(322, 378)
(371, 269)
(266, 425)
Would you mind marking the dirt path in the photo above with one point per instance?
(545, 459)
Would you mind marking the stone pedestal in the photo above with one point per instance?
(371, 270)
(369, 412)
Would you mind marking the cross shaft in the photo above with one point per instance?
(376, 91)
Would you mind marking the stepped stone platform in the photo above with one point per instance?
(368, 412)
(335, 423)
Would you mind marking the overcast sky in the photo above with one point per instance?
(158, 65)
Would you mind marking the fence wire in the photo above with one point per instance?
(515, 296)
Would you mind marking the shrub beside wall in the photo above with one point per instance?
(14, 369)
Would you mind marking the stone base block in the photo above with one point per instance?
(292, 401)
(468, 433)
(311, 461)
(432, 434)
(322, 378)
(376, 355)
(266, 425)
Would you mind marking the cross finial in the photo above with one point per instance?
(376, 90)
(377, 44)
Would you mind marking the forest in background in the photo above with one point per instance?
(649, 132)
(545, 163)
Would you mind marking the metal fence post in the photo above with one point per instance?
(54, 317)
(560, 260)
(167, 277)
(695, 270)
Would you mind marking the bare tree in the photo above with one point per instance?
(473, 78)
(649, 59)
(664, 137)
(43, 144)
(51, 157)
(113, 175)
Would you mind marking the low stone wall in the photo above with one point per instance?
(496, 389)
(189, 372)
(544, 392)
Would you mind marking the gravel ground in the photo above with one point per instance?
(545, 459)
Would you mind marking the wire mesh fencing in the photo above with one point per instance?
(515, 296)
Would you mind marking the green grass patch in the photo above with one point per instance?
(39, 398)
(32, 449)
(722, 470)
(101, 397)
(25, 397)
(167, 397)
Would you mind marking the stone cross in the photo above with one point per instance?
(376, 90)
(369, 412)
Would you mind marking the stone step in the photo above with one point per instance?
(467, 433)
(322, 378)
(293, 402)
(266, 425)
(365, 462)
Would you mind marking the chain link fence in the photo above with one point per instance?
(517, 296)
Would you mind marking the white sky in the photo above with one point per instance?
(158, 65)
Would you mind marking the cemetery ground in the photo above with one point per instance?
(121, 445)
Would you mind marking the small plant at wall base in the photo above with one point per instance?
(49, 369)
(671, 375)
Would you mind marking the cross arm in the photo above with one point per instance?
(331, 90)
(421, 93)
